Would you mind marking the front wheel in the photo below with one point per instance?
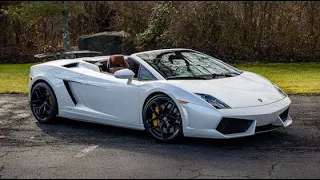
(162, 118)
(43, 103)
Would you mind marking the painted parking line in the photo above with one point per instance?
(86, 151)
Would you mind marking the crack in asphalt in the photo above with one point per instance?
(6, 153)
(196, 170)
(200, 174)
(273, 168)
(1, 169)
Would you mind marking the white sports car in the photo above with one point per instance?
(170, 93)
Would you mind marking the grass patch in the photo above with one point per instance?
(293, 78)
(14, 78)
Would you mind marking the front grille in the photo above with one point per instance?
(231, 125)
(284, 115)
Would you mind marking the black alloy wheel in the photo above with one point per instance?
(162, 118)
(43, 103)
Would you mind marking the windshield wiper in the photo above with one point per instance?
(190, 77)
(224, 74)
(233, 73)
(204, 76)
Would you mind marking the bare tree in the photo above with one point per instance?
(65, 31)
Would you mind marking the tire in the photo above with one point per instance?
(43, 103)
(162, 119)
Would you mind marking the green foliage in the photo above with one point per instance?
(234, 31)
(32, 12)
(157, 25)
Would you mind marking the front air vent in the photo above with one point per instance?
(71, 65)
(66, 83)
(232, 126)
(284, 115)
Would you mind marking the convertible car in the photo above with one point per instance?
(169, 93)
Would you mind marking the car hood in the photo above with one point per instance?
(243, 90)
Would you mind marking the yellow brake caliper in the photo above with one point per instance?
(50, 101)
(156, 122)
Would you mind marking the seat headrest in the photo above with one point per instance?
(117, 62)
(116, 59)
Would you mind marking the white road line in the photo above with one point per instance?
(85, 151)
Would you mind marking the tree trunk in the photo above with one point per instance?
(248, 22)
(269, 30)
(65, 31)
(45, 32)
(17, 32)
(312, 25)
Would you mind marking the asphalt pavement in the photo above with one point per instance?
(72, 149)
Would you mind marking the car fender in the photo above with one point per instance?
(176, 94)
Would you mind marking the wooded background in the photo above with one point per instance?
(232, 31)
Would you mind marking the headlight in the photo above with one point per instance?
(213, 101)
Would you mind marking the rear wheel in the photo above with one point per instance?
(162, 119)
(43, 103)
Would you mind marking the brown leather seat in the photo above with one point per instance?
(116, 62)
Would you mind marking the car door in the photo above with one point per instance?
(110, 98)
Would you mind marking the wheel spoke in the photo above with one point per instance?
(167, 124)
(171, 109)
(34, 105)
(46, 112)
(49, 108)
(40, 92)
(160, 108)
(166, 105)
(38, 109)
(161, 129)
(37, 93)
(43, 108)
(47, 105)
(171, 117)
(45, 93)
(35, 101)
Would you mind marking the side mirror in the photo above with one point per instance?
(124, 74)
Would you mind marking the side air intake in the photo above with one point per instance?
(66, 83)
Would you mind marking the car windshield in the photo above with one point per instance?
(187, 64)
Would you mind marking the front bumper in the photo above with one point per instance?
(209, 123)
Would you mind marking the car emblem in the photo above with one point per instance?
(260, 100)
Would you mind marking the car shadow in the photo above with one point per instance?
(280, 142)
(91, 133)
